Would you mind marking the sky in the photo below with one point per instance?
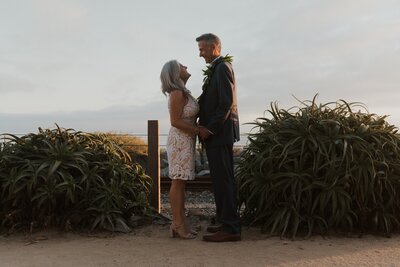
(95, 65)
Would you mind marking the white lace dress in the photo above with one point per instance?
(181, 146)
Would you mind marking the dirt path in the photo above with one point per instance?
(151, 246)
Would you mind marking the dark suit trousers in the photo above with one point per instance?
(220, 160)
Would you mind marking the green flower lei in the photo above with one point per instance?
(209, 70)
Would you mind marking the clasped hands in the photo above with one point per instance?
(204, 133)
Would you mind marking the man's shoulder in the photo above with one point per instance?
(223, 66)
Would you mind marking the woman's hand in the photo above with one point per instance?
(204, 133)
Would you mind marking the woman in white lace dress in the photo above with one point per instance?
(183, 110)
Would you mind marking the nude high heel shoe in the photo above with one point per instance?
(179, 231)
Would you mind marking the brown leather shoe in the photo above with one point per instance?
(222, 236)
(213, 228)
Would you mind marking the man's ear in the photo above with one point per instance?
(214, 48)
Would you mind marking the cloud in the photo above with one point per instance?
(60, 15)
(94, 55)
(339, 50)
(10, 84)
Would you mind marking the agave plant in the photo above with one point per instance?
(63, 177)
(317, 168)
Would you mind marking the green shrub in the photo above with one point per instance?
(66, 178)
(317, 168)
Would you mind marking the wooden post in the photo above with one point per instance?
(153, 164)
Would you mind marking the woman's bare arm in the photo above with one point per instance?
(177, 103)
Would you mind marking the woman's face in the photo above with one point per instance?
(184, 74)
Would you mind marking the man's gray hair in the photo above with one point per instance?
(210, 38)
(170, 79)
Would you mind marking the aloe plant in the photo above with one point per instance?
(319, 168)
(68, 178)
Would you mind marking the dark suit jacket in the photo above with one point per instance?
(218, 106)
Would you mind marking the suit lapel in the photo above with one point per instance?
(206, 86)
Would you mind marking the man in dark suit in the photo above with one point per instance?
(219, 129)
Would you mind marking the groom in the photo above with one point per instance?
(219, 129)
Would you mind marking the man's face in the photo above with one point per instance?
(206, 51)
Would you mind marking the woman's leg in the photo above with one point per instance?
(177, 200)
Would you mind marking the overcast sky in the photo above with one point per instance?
(94, 65)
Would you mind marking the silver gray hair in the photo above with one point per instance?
(210, 38)
(170, 79)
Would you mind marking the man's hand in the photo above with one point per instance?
(204, 133)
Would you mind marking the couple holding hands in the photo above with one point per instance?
(217, 128)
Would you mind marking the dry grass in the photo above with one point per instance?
(131, 144)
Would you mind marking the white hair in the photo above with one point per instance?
(170, 79)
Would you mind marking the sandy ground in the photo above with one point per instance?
(151, 246)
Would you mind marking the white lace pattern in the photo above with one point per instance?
(181, 146)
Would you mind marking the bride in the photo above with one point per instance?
(183, 109)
